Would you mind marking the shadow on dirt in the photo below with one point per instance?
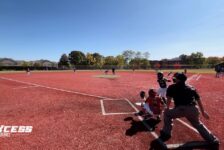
(140, 126)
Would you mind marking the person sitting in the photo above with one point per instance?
(152, 106)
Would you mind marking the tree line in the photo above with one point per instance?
(197, 59)
(128, 59)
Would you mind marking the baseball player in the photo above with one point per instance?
(28, 71)
(113, 70)
(162, 85)
(154, 103)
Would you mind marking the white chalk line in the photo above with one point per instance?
(190, 145)
(24, 87)
(102, 107)
(187, 125)
(120, 113)
(198, 77)
(192, 77)
(53, 88)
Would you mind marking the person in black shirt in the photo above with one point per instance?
(113, 70)
(162, 86)
(185, 100)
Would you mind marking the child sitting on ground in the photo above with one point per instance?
(153, 105)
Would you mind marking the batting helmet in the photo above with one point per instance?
(160, 75)
(142, 94)
(181, 77)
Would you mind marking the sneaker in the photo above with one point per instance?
(157, 144)
(215, 144)
(164, 136)
(147, 116)
(140, 113)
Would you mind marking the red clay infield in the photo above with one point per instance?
(80, 111)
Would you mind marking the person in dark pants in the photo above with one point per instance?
(28, 71)
(218, 71)
(185, 71)
(113, 71)
(186, 99)
(162, 85)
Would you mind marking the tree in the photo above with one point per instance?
(138, 54)
(120, 60)
(64, 62)
(222, 59)
(197, 59)
(145, 63)
(146, 55)
(185, 59)
(135, 63)
(99, 60)
(140, 63)
(128, 55)
(110, 60)
(77, 58)
(212, 61)
(25, 64)
(37, 64)
(90, 59)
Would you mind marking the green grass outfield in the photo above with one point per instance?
(207, 71)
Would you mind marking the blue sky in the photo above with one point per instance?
(45, 29)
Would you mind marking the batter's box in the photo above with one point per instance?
(117, 107)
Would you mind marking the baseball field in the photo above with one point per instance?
(91, 110)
